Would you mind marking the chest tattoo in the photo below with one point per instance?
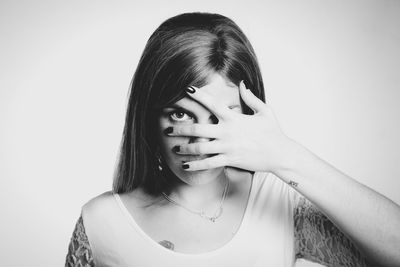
(167, 244)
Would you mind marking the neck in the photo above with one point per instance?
(200, 196)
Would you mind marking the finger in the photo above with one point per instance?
(219, 110)
(196, 129)
(250, 99)
(204, 164)
(200, 148)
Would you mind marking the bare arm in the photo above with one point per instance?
(371, 220)
(79, 251)
(256, 143)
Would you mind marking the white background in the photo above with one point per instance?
(331, 71)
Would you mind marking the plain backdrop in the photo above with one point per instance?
(331, 72)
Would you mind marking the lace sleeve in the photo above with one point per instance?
(79, 252)
(319, 240)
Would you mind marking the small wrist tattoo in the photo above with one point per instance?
(293, 183)
(167, 244)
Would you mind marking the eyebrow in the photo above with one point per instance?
(174, 106)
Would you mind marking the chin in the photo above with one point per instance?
(197, 177)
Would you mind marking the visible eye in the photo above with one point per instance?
(179, 115)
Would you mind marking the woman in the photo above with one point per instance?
(207, 178)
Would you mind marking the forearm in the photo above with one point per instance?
(368, 218)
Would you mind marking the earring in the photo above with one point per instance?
(158, 156)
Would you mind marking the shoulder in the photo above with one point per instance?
(99, 213)
(106, 196)
(98, 202)
(109, 202)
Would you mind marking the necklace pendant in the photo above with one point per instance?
(219, 212)
(201, 213)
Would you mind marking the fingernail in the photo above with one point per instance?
(244, 85)
(176, 148)
(168, 130)
(185, 166)
(190, 90)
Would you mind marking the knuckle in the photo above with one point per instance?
(186, 148)
(196, 148)
(183, 148)
(192, 128)
(177, 130)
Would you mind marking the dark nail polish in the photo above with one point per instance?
(176, 148)
(168, 130)
(245, 85)
(185, 166)
(190, 90)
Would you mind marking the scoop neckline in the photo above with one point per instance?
(228, 244)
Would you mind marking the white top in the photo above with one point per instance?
(265, 236)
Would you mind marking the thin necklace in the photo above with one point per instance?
(201, 213)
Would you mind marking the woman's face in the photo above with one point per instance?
(186, 112)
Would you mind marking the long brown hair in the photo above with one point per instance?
(184, 50)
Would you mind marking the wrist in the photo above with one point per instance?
(294, 156)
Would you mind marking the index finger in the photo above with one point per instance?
(218, 109)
